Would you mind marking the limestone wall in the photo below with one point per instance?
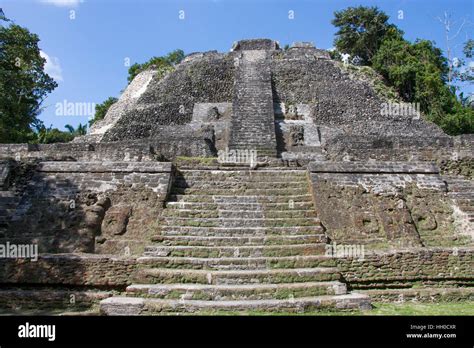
(69, 270)
(385, 204)
(105, 207)
(405, 268)
(180, 141)
(398, 148)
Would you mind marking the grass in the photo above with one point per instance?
(380, 309)
(183, 160)
(411, 308)
(463, 308)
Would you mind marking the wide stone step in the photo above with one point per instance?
(263, 184)
(7, 195)
(224, 222)
(137, 306)
(465, 202)
(236, 292)
(306, 198)
(239, 214)
(467, 208)
(461, 187)
(239, 241)
(236, 263)
(244, 175)
(460, 184)
(233, 251)
(241, 206)
(288, 275)
(240, 192)
(239, 231)
(248, 179)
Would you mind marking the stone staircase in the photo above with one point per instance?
(461, 191)
(239, 241)
(253, 118)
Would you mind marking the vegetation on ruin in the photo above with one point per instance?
(368, 74)
(418, 71)
(157, 63)
(195, 161)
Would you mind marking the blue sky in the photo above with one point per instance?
(87, 55)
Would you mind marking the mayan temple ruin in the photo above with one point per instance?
(258, 180)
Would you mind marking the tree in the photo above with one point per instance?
(362, 30)
(469, 48)
(448, 25)
(419, 72)
(23, 84)
(462, 70)
(101, 110)
(80, 130)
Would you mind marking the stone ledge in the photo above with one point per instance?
(375, 167)
(105, 167)
(424, 294)
(255, 44)
(405, 266)
(69, 270)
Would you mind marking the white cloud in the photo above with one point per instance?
(52, 67)
(62, 3)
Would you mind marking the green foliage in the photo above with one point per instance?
(101, 110)
(468, 49)
(23, 84)
(362, 31)
(459, 121)
(417, 71)
(80, 130)
(52, 135)
(463, 72)
(159, 63)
